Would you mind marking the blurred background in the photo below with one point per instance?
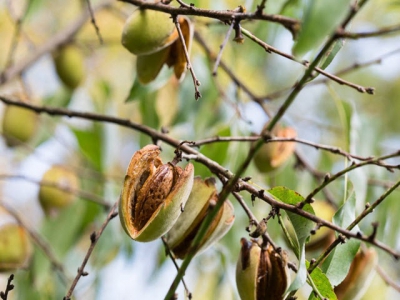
(98, 153)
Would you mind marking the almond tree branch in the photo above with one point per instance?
(340, 238)
(252, 218)
(93, 20)
(234, 180)
(372, 161)
(225, 67)
(268, 48)
(222, 15)
(197, 156)
(94, 237)
(344, 71)
(172, 256)
(221, 48)
(212, 165)
(359, 35)
(254, 138)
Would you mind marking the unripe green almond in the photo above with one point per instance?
(148, 66)
(273, 155)
(148, 31)
(153, 195)
(56, 189)
(19, 125)
(69, 63)
(15, 247)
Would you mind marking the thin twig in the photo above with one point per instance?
(172, 256)
(222, 47)
(360, 217)
(353, 67)
(234, 180)
(318, 176)
(359, 88)
(295, 209)
(252, 218)
(93, 20)
(189, 66)
(371, 161)
(359, 35)
(224, 66)
(254, 138)
(94, 237)
(9, 287)
(261, 6)
(183, 4)
(14, 43)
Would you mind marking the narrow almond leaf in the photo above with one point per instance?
(320, 20)
(337, 264)
(302, 228)
(321, 282)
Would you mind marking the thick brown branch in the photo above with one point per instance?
(223, 15)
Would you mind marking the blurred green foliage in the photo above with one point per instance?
(325, 113)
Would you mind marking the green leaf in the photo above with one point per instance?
(215, 151)
(91, 144)
(320, 20)
(321, 282)
(330, 55)
(337, 264)
(302, 228)
(138, 90)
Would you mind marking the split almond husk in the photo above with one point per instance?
(261, 274)
(154, 195)
(201, 200)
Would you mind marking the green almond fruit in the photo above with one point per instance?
(56, 190)
(70, 68)
(154, 195)
(148, 31)
(148, 66)
(19, 125)
(15, 248)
